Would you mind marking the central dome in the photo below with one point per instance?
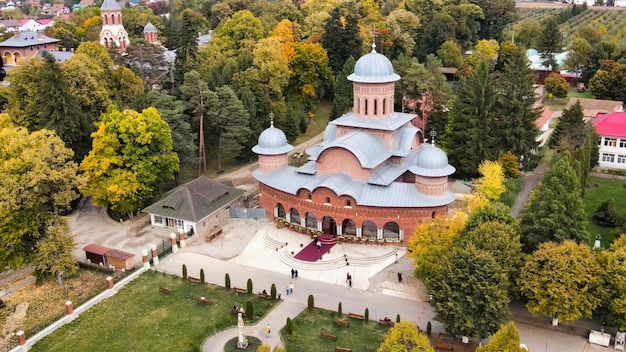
(373, 68)
(431, 161)
(272, 141)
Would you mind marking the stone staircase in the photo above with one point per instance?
(272, 243)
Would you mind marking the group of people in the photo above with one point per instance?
(294, 273)
(289, 288)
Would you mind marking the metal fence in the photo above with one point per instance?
(163, 249)
(247, 213)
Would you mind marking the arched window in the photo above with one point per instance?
(308, 196)
(433, 215)
(112, 19)
(384, 106)
(106, 19)
(119, 18)
(358, 105)
(327, 200)
(366, 102)
(375, 106)
(348, 203)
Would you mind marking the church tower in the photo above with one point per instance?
(113, 32)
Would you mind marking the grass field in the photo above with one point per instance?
(556, 104)
(141, 318)
(598, 190)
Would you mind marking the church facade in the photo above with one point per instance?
(371, 177)
(113, 33)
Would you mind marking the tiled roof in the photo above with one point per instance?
(96, 249)
(611, 125)
(194, 200)
(110, 5)
(396, 194)
(392, 123)
(543, 118)
(365, 146)
(593, 107)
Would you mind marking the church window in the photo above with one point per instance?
(308, 196)
(384, 106)
(112, 19)
(358, 105)
(375, 106)
(119, 18)
(348, 203)
(106, 19)
(433, 215)
(327, 200)
(366, 103)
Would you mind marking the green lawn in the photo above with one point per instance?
(556, 104)
(308, 326)
(141, 318)
(598, 190)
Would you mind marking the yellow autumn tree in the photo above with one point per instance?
(404, 337)
(491, 183)
(432, 241)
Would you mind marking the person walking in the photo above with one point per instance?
(350, 283)
(268, 329)
(318, 244)
(290, 287)
(399, 277)
(347, 276)
(296, 273)
(287, 290)
(293, 273)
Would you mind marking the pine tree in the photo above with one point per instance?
(232, 124)
(515, 128)
(570, 133)
(343, 91)
(555, 211)
(187, 50)
(341, 38)
(473, 117)
(549, 43)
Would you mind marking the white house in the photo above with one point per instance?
(612, 130)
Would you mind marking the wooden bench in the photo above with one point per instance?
(356, 316)
(342, 323)
(342, 349)
(204, 301)
(386, 322)
(216, 231)
(193, 279)
(329, 336)
(444, 348)
(165, 290)
(240, 290)
(264, 295)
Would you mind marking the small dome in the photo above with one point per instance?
(431, 161)
(373, 68)
(149, 28)
(272, 141)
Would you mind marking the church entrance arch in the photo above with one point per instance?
(369, 229)
(295, 216)
(311, 221)
(348, 227)
(329, 225)
(391, 231)
(281, 211)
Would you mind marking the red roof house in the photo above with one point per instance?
(612, 130)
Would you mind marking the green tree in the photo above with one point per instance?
(555, 209)
(606, 214)
(571, 130)
(405, 337)
(549, 43)
(613, 309)
(402, 27)
(497, 15)
(578, 55)
(232, 126)
(189, 25)
(343, 90)
(53, 253)
(556, 85)
(38, 181)
(506, 339)
(131, 158)
(341, 39)
(492, 211)
(609, 81)
(469, 292)
(311, 72)
(561, 281)
(473, 116)
(515, 127)
(491, 182)
(451, 55)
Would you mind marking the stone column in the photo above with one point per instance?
(155, 256)
(401, 233)
(181, 238)
(21, 338)
(359, 232)
(302, 221)
(339, 229)
(174, 245)
(110, 282)
(379, 234)
(144, 257)
(288, 217)
(319, 225)
(275, 211)
(69, 307)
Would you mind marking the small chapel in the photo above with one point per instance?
(373, 176)
(113, 33)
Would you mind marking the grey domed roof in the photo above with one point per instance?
(149, 28)
(431, 161)
(373, 68)
(272, 141)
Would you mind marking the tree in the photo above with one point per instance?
(549, 43)
(578, 55)
(53, 253)
(484, 50)
(561, 281)
(341, 39)
(231, 123)
(493, 211)
(450, 54)
(510, 164)
(402, 26)
(311, 72)
(571, 130)
(556, 85)
(38, 181)
(132, 156)
(613, 309)
(515, 126)
(189, 24)
(606, 214)
(39, 98)
(473, 116)
(491, 183)
(555, 209)
(405, 337)
(343, 90)
(608, 82)
(431, 243)
(469, 292)
(148, 62)
(498, 14)
(506, 339)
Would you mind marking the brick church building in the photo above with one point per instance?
(372, 176)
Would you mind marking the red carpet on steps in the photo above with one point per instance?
(310, 252)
